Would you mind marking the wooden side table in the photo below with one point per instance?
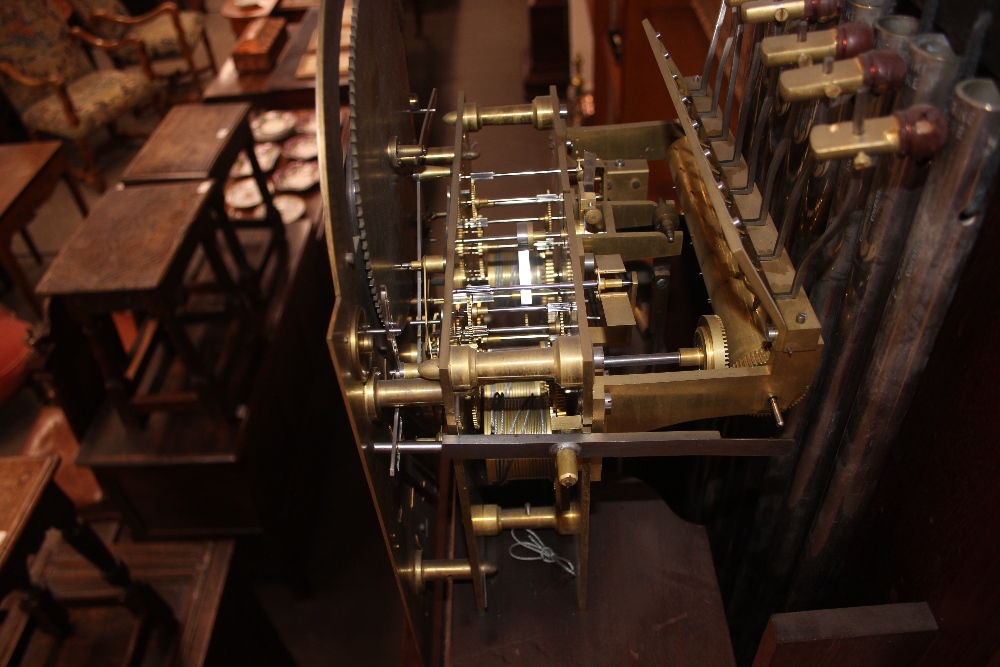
(199, 142)
(135, 253)
(30, 504)
(219, 621)
(31, 172)
(279, 88)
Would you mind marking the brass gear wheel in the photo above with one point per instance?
(710, 337)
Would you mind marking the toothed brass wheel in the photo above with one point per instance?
(710, 338)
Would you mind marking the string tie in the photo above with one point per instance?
(540, 551)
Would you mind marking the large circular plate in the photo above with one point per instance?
(382, 202)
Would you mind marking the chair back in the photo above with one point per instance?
(36, 41)
(84, 10)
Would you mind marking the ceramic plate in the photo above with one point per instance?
(297, 176)
(291, 207)
(273, 125)
(267, 156)
(307, 123)
(301, 147)
(244, 194)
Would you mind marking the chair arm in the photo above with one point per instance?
(55, 82)
(115, 44)
(162, 8)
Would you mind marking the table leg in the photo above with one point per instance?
(139, 597)
(13, 268)
(50, 615)
(272, 216)
(211, 247)
(32, 248)
(75, 192)
(110, 356)
(202, 379)
(248, 277)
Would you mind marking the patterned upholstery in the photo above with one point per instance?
(98, 98)
(158, 35)
(84, 9)
(35, 41)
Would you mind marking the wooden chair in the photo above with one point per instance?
(167, 32)
(57, 92)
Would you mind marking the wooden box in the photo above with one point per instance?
(259, 45)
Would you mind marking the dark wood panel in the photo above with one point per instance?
(894, 635)
(933, 528)
(653, 598)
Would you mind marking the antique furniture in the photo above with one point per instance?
(166, 32)
(256, 478)
(32, 171)
(259, 45)
(277, 89)
(143, 249)
(219, 621)
(52, 84)
(198, 142)
(32, 503)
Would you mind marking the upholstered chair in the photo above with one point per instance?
(48, 78)
(167, 32)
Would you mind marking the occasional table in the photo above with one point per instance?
(30, 504)
(31, 172)
(279, 88)
(136, 252)
(219, 621)
(199, 142)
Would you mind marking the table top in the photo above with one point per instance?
(229, 84)
(130, 240)
(22, 482)
(21, 164)
(170, 153)
(283, 75)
